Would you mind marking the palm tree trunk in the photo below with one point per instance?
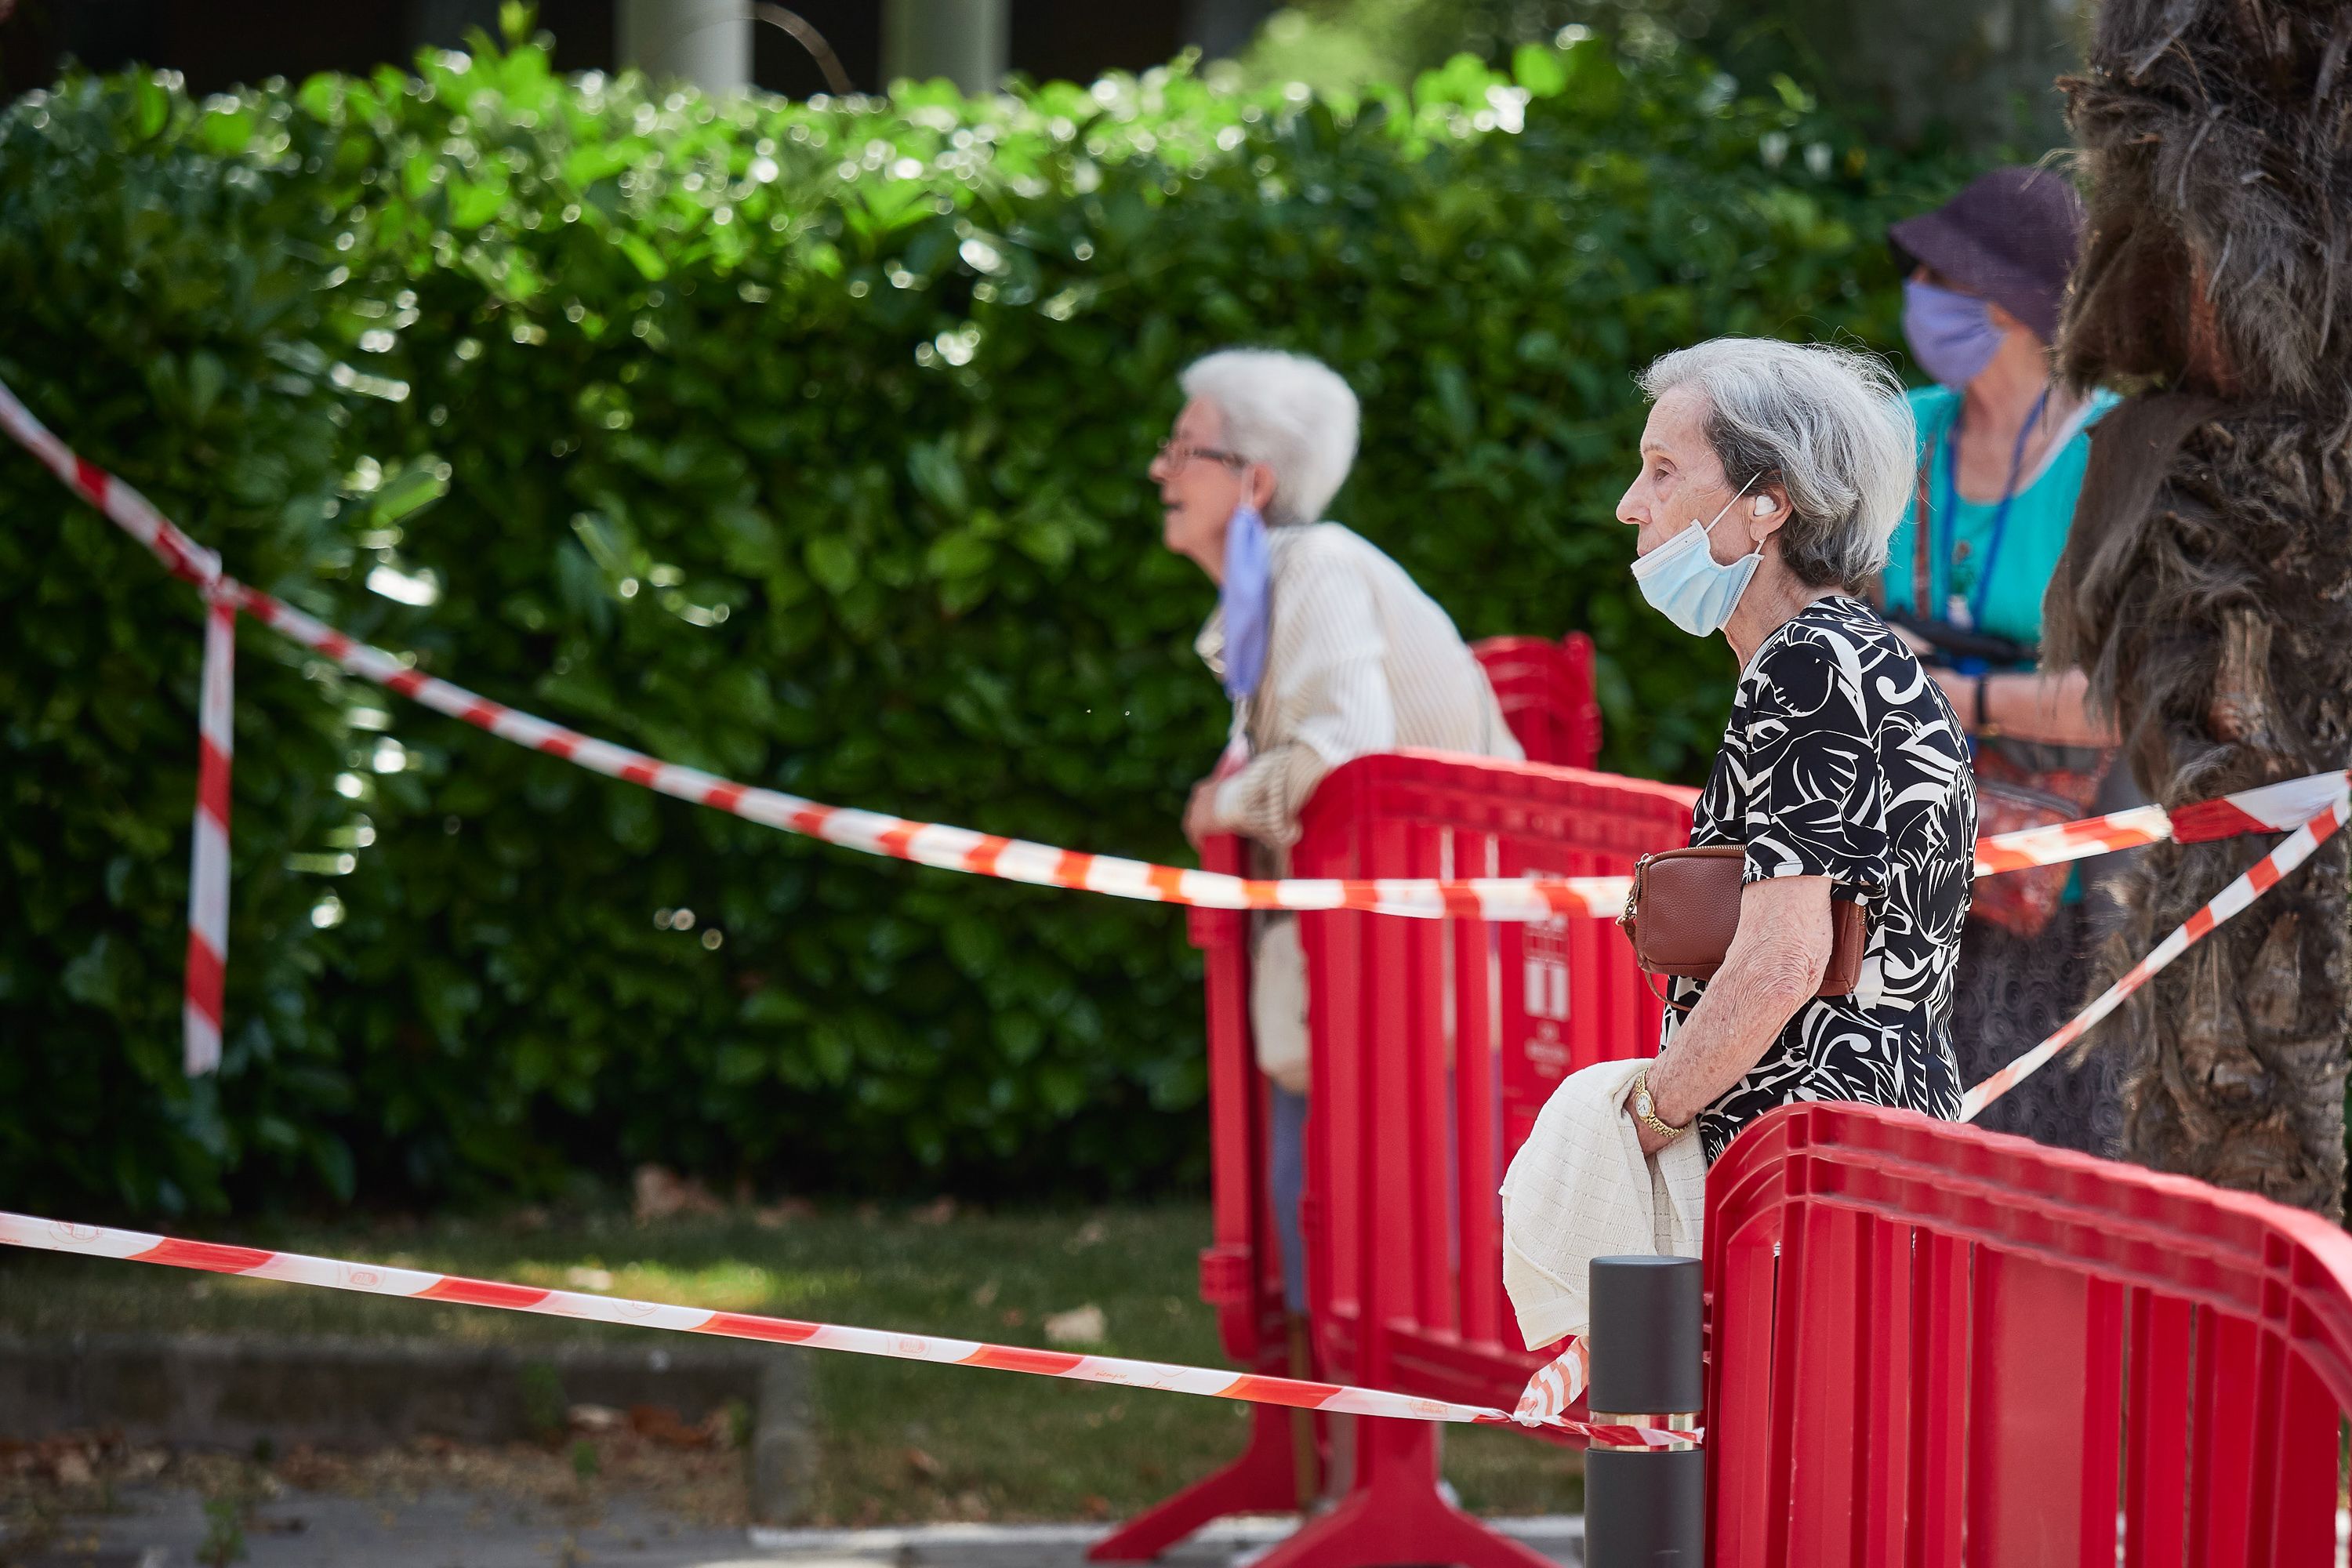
(2208, 583)
(2238, 1077)
(2217, 624)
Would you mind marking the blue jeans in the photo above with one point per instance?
(1287, 1175)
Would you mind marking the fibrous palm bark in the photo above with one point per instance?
(2208, 586)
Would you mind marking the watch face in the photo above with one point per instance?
(1641, 1104)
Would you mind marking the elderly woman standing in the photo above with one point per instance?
(1771, 477)
(2004, 445)
(1326, 649)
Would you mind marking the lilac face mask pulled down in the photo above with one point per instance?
(1683, 582)
(1242, 597)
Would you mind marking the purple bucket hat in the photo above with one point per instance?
(2011, 236)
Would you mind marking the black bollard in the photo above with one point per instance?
(1645, 1506)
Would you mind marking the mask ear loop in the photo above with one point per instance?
(1709, 529)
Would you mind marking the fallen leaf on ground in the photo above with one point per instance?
(662, 1193)
(1079, 1326)
(922, 1464)
(659, 1423)
(593, 1419)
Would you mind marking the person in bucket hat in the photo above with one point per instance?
(2004, 445)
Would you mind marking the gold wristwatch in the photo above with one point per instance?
(1645, 1110)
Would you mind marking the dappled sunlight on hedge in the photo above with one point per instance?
(802, 442)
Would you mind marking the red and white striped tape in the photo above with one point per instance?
(2275, 806)
(2270, 808)
(208, 857)
(925, 842)
(1557, 1385)
(2261, 878)
(208, 875)
(377, 1280)
(132, 512)
(934, 844)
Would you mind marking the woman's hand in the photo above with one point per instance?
(1201, 817)
(1652, 1139)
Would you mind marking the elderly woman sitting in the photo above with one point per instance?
(1771, 477)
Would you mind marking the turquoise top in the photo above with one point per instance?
(2039, 516)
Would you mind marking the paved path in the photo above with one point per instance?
(1230, 1545)
(157, 1526)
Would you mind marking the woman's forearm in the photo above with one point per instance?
(2053, 709)
(1775, 962)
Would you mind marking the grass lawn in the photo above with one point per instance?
(901, 1441)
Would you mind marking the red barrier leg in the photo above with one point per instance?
(1263, 1481)
(1394, 1515)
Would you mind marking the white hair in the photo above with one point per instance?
(1289, 411)
(1828, 423)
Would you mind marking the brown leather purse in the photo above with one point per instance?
(1684, 908)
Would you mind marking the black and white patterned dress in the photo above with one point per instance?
(1843, 760)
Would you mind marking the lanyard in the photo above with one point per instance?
(1948, 515)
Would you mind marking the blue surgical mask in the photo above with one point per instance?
(1951, 333)
(1685, 583)
(1242, 597)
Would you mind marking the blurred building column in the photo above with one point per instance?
(966, 41)
(706, 42)
(1981, 72)
(443, 24)
(1220, 29)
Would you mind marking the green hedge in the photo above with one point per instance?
(802, 443)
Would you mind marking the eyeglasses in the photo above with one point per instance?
(1171, 452)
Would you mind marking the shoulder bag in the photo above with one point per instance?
(1683, 909)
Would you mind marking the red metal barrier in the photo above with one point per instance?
(1934, 1345)
(1552, 996)
(1436, 1043)
(1547, 695)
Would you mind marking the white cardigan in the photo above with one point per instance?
(1581, 1188)
(1358, 660)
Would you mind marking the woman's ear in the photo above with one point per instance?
(1767, 509)
(1258, 485)
(2001, 318)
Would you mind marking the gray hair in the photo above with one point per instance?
(1289, 411)
(1829, 423)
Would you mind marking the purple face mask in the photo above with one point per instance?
(1249, 570)
(1951, 334)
